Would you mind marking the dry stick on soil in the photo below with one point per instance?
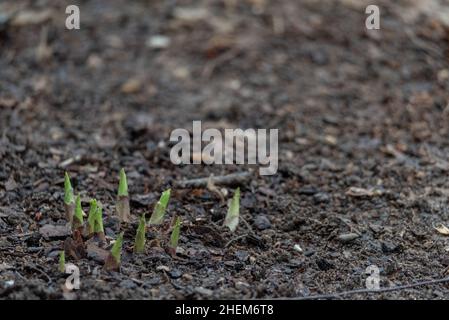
(69, 199)
(230, 179)
(123, 210)
(369, 291)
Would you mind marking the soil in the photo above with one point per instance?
(355, 108)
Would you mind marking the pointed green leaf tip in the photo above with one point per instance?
(232, 217)
(78, 210)
(62, 261)
(160, 208)
(116, 250)
(174, 238)
(139, 244)
(68, 190)
(123, 184)
(98, 227)
(92, 216)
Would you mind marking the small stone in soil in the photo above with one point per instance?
(321, 197)
(175, 274)
(261, 222)
(389, 247)
(323, 264)
(128, 284)
(348, 237)
(242, 255)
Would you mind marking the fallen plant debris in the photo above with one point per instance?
(442, 229)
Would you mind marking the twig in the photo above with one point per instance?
(369, 291)
(230, 179)
(235, 239)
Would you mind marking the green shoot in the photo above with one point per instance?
(114, 257)
(78, 218)
(116, 250)
(232, 217)
(139, 244)
(62, 261)
(98, 226)
(160, 208)
(92, 217)
(69, 200)
(68, 190)
(123, 184)
(174, 238)
(122, 206)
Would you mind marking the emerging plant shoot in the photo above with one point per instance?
(69, 199)
(232, 217)
(122, 206)
(98, 226)
(160, 208)
(139, 244)
(62, 261)
(92, 217)
(114, 257)
(78, 217)
(174, 238)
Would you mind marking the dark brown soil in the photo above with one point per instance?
(354, 108)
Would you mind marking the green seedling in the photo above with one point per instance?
(78, 217)
(92, 217)
(139, 244)
(174, 238)
(232, 217)
(160, 208)
(114, 257)
(69, 199)
(122, 206)
(98, 226)
(62, 261)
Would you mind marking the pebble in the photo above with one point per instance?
(348, 237)
(321, 197)
(128, 284)
(175, 274)
(204, 291)
(261, 222)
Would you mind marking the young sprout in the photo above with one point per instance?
(160, 208)
(232, 217)
(92, 217)
(122, 206)
(98, 226)
(78, 217)
(69, 199)
(139, 244)
(114, 257)
(174, 238)
(62, 261)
